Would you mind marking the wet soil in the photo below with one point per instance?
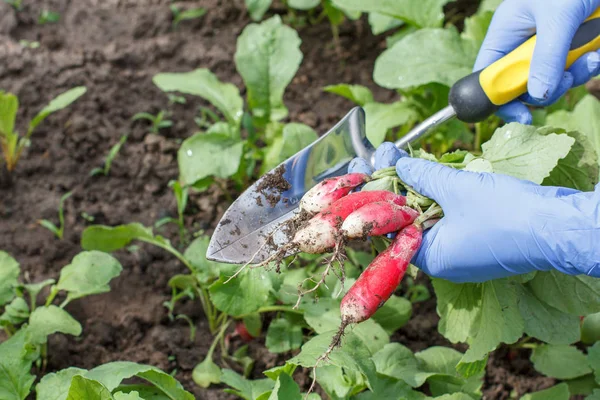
(114, 47)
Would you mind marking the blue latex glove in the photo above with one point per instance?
(555, 22)
(496, 225)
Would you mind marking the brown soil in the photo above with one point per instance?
(272, 186)
(114, 47)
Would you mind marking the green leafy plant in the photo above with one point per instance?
(29, 325)
(157, 121)
(105, 170)
(12, 144)
(106, 383)
(48, 17)
(221, 151)
(181, 196)
(60, 229)
(186, 15)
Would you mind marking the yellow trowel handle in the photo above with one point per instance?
(478, 95)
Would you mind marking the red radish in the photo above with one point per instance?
(328, 191)
(381, 278)
(240, 329)
(321, 232)
(379, 218)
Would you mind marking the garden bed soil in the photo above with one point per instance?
(114, 47)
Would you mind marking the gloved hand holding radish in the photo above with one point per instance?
(495, 225)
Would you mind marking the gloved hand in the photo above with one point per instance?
(555, 22)
(496, 225)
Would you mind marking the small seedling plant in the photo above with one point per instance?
(48, 17)
(105, 170)
(59, 230)
(180, 15)
(11, 142)
(157, 122)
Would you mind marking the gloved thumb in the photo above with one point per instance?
(429, 178)
(550, 55)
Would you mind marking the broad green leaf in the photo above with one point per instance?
(526, 152)
(560, 361)
(267, 57)
(16, 312)
(89, 273)
(397, 361)
(111, 375)
(358, 94)
(594, 396)
(128, 396)
(579, 169)
(353, 355)
(9, 105)
(144, 391)
(206, 270)
(61, 101)
(203, 83)
(285, 389)
(545, 322)
(408, 62)
(44, 321)
(244, 388)
(381, 23)
(384, 387)
(206, 373)
(499, 321)
(283, 336)
(303, 4)
(243, 294)
(488, 5)
(557, 290)
(382, 117)
(334, 382)
(55, 386)
(9, 272)
(394, 314)
(441, 363)
(15, 367)
(424, 13)
(324, 316)
(593, 359)
(35, 288)
(88, 389)
(583, 385)
(454, 396)
(476, 28)
(211, 154)
(257, 8)
(109, 239)
(584, 119)
(459, 307)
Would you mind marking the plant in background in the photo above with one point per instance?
(185, 15)
(267, 58)
(16, 4)
(105, 170)
(48, 17)
(12, 144)
(181, 196)
(29, 325)
(157, 121)
(60, 229)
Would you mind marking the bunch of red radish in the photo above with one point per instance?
(339, 215)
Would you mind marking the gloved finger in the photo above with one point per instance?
(431, 179)
(515, 111)
(360, 165)
(386, 155)
(585, 68)
(565, 84)
(426, 258)
(555, 191)
(550, 53)
(510, 27)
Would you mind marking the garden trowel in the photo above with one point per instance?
(242, 234)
